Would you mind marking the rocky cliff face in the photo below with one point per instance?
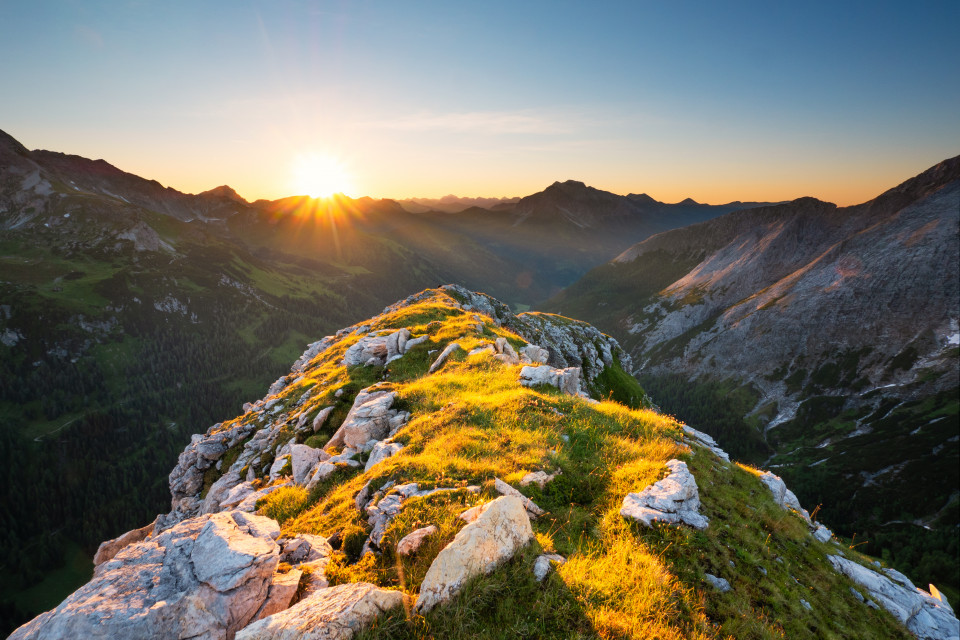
(448, 469)
(839, 327)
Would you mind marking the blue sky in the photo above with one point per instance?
(717, 101)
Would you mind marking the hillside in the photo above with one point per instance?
(373, 492)
(817, 340)
(568, 228)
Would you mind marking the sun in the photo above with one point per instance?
(320, 175)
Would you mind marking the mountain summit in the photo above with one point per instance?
(450, 469)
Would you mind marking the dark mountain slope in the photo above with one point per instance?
(821, 340)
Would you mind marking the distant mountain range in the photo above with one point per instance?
(452, 204)
(818, 340)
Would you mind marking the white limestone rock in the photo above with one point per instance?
(720, 584)
(502, 529)
(368, 419)
(822, 534)
(544, 564)
(321, 417)
(539, 478)
(303, 459)
(281, 593)
(442, 358)
(924, 616)
(533, 354)
(336, 613)
(411, 542)
(109, 548)
(675, 499)
(783, 496)
(567, 380)
(376, 350)
(204, 577)
(380, 452)
(505, 489)
(707, 442)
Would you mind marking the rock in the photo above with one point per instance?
(450, 348)
(281, 593)
(329, 614)
(707, 442)
(376, 350)
(412, 541)
(533, 354)
(279, 463)
(368, 419)
(380, 452)
(505, 350)
(236, 495)
(204, 577)
(109, 548)
(806, 605)
(305, 547)
(539, 478)
(922, 614)
(321, 417)
(219, 491)
(505, 489)
(857, 594)
(673, 499)
(471, 514)
(783, 496)
(544, 563)
(720, 584)
(322, 471)
(567, 380)
(822, 534)
(502, 529)
(487, 348)
(411, 343)
(303, 459)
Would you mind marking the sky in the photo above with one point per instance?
(717, 101)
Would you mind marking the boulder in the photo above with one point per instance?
(924, 616)
(368, 419)
(493, 538)
(674, 499)
(533, 354)
(204, 577)
(320, 473)
(377, 350)
(109, 548)
(505, 351)
(219, 491)
(450, 348)
(783, 496)
(544, 564)
(412, 541)
(329, 614)
(822, 534)
(567, 380)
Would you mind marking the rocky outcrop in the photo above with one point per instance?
(109, 548)
(206, 577)
(377, 350)
(380, 452)
(336, 613)
(501, 530)
(370, 418)
(924, 616)
(674, 499)
(567, 380)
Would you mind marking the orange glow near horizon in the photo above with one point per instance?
(320, 175)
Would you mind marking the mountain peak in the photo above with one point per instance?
(224, 191)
